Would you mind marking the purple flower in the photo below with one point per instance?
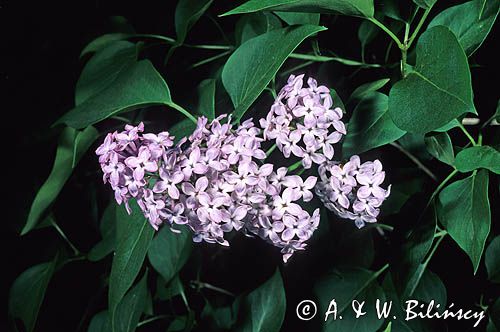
(215, 181)
(142, 163)
(353, 190)
(302, 122)
(303, 188)
(168, 183)
(106, 148)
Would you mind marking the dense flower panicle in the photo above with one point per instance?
(353, 190)
(303, 123)
(128, 159)
(213, 181)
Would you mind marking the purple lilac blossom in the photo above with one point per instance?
(353, 190)
(303, 123)
(214, 182)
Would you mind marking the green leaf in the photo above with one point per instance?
(470, 22)
(439, 145)
(478, 157)
(182, 129)
(166, 291)
(391, 8)
(182, 323)
(464, 210)
(102, 41)
(362, 8)
(221, 318)
(100, 322)
(292, 18)
(440, 81)
(264, 307)
(401, 191)
(337, 101)
(399, 306)
(450, 125)
(366, 33)
(415, 144)
(408, 266)
(83, 140)
(494, 312)
(252, 66)
(492, 261)
(136, 86)
(430, 288)
(345, 285)
(370, 126)
(130, 309)
(389, 327)
(424, 3)
(103, 68)
(206, 102)
(27, 293)
(68, 154)
(187, 13)
(255, 24)
(169, 251)
(108, 235)
(133, 235)
(367, 89)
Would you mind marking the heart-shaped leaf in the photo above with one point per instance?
(169, 251)
(138, 85)
(103, 41)
(478, 157)
(429, 281)
(108, 235)
(367, 89)
(130, 309)
(439, 145)
(187, 13)
(206, 101)
(370, 126)
(264, 307)
(103, 68)
(470, 22)
(69, 152)
(408, 267)
(255, 24)
(413, 101)
(363, 8)
(491, 260)
(253, 65)
(27, 293)
(464, 210)
(346, 285)
(133, 235)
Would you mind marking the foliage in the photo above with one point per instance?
(413, 103)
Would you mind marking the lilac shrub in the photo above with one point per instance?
(216, 180)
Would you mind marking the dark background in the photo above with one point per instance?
(40, 66)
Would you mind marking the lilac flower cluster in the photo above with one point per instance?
(214, 182)
(353, 190)
(302, 122)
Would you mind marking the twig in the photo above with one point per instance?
(415, 160)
